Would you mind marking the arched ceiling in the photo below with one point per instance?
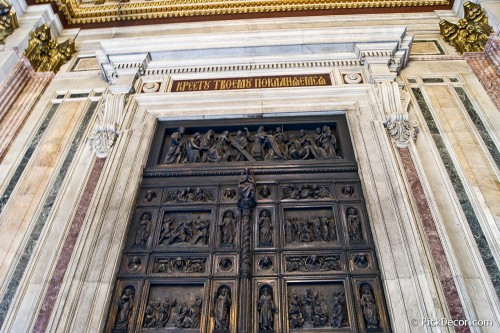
(108, 13)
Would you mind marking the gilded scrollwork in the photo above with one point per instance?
(45, 53)
(470, 33)
(8, 20)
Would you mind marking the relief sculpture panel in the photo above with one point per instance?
(279, 243)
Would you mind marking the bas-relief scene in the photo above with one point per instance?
(190, 249)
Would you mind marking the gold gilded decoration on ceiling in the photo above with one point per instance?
(102, 11)
(8, 20)
(471, 33)
(44, 53)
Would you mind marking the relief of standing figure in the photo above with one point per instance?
(125, 307)
(265, 228)
(266, 310)
(368, 306)
(222, 305)
(228, 229)
(174, 153)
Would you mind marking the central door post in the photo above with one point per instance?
(246, 203)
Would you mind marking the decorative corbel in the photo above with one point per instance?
(8, 20)
(109, 118)
(44, 53)
(471, 33)
(396, 104)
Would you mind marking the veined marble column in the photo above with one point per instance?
(486, 66)
(18, 95)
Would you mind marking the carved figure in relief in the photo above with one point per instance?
(125, 307)
(361, 260)
(244, 146)
(264, 192)
(246, 186)
(348, 190)
(150, 196)
(320, 312)
(207, 143)
(298, 192)
(242, 141)
(295, 318)
(313, 263)
(134, 264)
(174, 154)
(266, 309)
(201, 229)
(228, 193)
(354, 224)
(165, 311)
(308, 308)
(368, 306)
(143, 230)
(225, 264)
(265, 228)
(265, 263)
(166, 229)
(193, 150)
(228, 228)
(339, 314)
(188, 316)
(222, 306)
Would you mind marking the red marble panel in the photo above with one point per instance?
(435, 245)
(57, 277)
(486, 67)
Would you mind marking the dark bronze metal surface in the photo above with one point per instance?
(251, 242)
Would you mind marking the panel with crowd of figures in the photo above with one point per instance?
(256, 250)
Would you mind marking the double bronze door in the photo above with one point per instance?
(301, 259)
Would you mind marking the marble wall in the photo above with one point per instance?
(64, 212)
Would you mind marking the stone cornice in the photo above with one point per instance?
(112, 12)
(384, 51)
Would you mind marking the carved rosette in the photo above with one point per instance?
(109, 118)
(8, 20)
(396, 104)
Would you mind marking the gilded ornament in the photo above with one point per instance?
(8, 20)
(44, 53)
(106, 11)
(471, 33)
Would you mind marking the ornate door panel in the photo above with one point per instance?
(260, 227)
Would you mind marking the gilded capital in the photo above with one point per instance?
(44, 53)
(8, 20)
(470, 33)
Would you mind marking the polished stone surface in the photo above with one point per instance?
(466, 205)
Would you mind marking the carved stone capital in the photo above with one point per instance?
(109, 118)
(396, 104)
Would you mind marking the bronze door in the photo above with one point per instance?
(260, 227)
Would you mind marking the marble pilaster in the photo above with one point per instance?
(18, 95)
(486, 67)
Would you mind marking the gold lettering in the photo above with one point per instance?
(322, 81)
(248, 83)
(207, 85)
(302, 81)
